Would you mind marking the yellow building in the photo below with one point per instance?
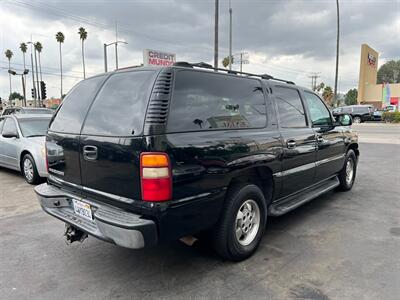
(369, 92)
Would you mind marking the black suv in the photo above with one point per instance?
(143, 155)
(359, 113)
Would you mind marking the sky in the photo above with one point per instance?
(286, 39)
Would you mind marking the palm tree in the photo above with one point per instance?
(60, 38)
(9, 54)
(83, 36)
(23, 48)
(38, 48)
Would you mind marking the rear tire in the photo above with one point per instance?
(29, 170)
(242, 224)
(357, 120)
(348, 174)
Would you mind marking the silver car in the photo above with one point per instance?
(22, 145)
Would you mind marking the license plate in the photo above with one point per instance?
(82, 209)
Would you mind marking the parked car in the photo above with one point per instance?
(22, 145)
(359, 113)
(26, 110)
(190, 150)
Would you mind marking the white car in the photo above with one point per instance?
(22, 144)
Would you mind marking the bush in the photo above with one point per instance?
(391, 117)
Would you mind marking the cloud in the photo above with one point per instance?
(288, 39)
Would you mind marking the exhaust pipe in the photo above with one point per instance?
(73, 234)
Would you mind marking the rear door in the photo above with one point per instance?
(62, 141)
(111, 139)
(299, 142)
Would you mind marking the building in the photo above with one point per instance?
(369, 92)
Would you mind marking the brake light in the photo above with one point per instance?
(156, 179)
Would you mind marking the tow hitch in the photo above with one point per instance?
(73, 234)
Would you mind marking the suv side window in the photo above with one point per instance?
(207, 101)
(290, 107)
(120, 106)
(319, 114)
(361, 110)
(9, 126)
(74, 107)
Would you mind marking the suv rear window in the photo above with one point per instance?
(206, 101)
(73, 109)
(120, 106)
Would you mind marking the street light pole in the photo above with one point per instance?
(337, 49)
(11, 72)
(105, 58)
(116, 53)
(216, 34)
(37, 78)
(230, 36)
(33, 73)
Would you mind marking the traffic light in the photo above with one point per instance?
(43, 90)
(33, 92)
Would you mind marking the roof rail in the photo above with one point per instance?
(204, 65)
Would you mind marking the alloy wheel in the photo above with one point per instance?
(247, 222)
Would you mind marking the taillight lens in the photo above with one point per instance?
(156, 179)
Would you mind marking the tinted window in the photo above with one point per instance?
(9, 126)
(74, 107)
(33, 127)
(120, 106)
(361, 110)
(318, 112)
(204, 101)
(290, 107)
(346, 110)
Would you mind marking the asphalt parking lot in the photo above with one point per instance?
(339, 246)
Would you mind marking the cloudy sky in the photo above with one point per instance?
(288, 39)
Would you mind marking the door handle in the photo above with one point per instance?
(291, 144)
(89, 152)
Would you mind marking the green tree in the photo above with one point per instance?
(389, 72)
(83, 36)
(225, 61)
(351, 97)
(38, 48)
(23, 48)
(60, 39)
(328, 95)
(9, 54)
(16, 95)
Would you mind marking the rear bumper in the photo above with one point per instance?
(109, 223)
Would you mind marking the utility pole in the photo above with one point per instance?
(337, 48)
(243, 60)
(230, 36)
(216, 34)
(314, 78)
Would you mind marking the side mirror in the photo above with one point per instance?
(10, 135)
(344, 120)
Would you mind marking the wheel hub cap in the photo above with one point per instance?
(28, 169)
(349, 171)
(247, 222)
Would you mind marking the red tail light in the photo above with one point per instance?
(156, 179)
